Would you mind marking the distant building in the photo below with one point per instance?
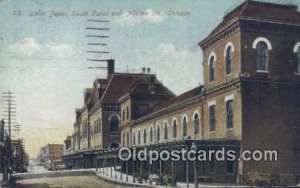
(51, 154)
(19, 156)
(68, 145)
(42, 155)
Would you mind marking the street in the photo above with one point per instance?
(64, 182)
(39, 177)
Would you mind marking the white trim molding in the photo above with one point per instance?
(195, 112)
(229, 97)
(296, 47)
(211, 103)
(157, 125)
(166, 122)
(187, 119)
(262, 39)
(229, 44)
(174, 118)
(212, 54)
(114, 114)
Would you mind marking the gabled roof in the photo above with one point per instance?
(123, 83)
(260, 11)
(144, 88)
(176, 100)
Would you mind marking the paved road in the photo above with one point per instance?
(39, 177)
(64, 182)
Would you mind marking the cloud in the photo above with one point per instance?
(135, 17)
(171, 50)
(181, 63)
(60, 49)
(27, 46)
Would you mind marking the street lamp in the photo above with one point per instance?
(194, 148)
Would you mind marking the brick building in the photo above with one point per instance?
(51, 155)
(249, 101)
(97, 125)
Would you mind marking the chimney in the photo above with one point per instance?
(151, 84)
(143, 69)
(110, 67)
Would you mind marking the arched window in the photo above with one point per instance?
(174, 129)
(158, 133)
(151, 134)
(145, 136)
(127, 112)
(212, 118)
(139, 137)
(262, 56)
(96, 125)
(99, 126)
(298, 60)
(128, 139)
(133, 138)
(196, 123)
(123, 139)
(166, 130)
(212, 67)
(229, 60)
(229, 112)
(184, 126)
(114, 124)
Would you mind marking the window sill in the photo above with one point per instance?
(228, 75)
(262, 71)
(229, 129)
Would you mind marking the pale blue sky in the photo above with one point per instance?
(43, 58)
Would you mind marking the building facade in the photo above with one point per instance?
(97, 125)
(51, 155)
(250, 96)
(249, 101)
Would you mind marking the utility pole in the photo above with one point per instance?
(3, 152)
(9, 115)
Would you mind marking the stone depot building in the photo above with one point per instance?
(249, 101)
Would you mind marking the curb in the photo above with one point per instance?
(123, 183)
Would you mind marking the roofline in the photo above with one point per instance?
(132, 74)
(201, 43)
(166, 108)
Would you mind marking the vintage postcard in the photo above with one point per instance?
(153, 93)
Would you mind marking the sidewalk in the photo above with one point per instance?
(115, 177)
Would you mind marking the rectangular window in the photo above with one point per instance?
(212, 117)
(229, 112)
